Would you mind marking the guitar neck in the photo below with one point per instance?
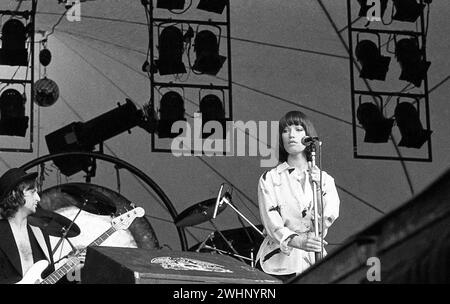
(70, 264)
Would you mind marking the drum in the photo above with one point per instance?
(140, 234)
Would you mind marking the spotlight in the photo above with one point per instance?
(408, 122)
(374, 65)
(171, 110)
(206, 47)
(212, 109)
(409, 55)
(365, 8)
(13, 51)
(170, 51)
(13, 121)
(170, 4)
(79, 136)
(46, 92)
(377, 127)
(407, 10)
(214, 6)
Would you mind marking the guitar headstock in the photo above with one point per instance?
(125, 220)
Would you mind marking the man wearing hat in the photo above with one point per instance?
(21, 245)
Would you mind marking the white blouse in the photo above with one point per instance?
(286, 209)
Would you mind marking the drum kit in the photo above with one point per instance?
(238, 243)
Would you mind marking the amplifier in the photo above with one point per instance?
(116, 265)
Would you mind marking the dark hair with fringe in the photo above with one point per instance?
(293, 118)
(14, 199)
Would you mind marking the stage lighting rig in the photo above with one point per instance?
(374, 65)
(171, 110)
(410, 57)
(171, 48)
(410, 126)
(13, 121)
(206, 48)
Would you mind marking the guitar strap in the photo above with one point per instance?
(41, 241)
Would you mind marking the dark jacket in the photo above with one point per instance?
(10, 265)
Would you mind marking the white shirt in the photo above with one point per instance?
(286, 208)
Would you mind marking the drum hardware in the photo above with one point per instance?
(208, 211)
(228, 200)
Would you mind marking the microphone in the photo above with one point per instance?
(308, 140)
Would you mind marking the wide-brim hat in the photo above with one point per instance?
(12, 178)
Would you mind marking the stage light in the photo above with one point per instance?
(408, 122)
(171, 50)
(13, 121)
(377, 127)
(407, 10)
(46, 92)
(171, 110)
(13, 51)
(170, 4)
(374, 65)
(206, 47)
(363, 12)
(212, 109)
(214, 6)
(79, 136)
(409, 55)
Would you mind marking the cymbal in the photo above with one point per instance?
(198, 213)
(53, 223)
(89, 199)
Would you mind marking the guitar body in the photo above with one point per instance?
(33, 275)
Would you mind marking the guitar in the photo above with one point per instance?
(33, 275)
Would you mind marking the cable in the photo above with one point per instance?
(232, 38)
(55, 25)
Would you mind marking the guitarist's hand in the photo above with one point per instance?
(307, 241)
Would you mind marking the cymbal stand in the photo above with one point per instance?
(65, 231)
(226, 241)
(240, 214)
(204, 242)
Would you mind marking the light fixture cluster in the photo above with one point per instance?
(375, 61)
(378, 128)
(172, 109)
(172, 44)
(185, 47)
(13, 52)
(410, 56)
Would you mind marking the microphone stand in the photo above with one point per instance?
(312, 164)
